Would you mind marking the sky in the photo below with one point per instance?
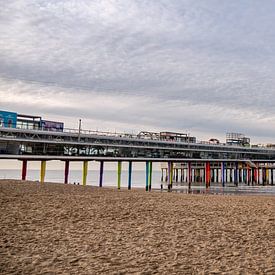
(204, 67)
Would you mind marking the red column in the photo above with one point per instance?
(67, 167)
(207, 174)
(24, 169)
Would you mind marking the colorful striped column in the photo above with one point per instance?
(130, 168)
(24, 169)
(84, 173)
(43, 171)
(119, 175)
(101, 170)
(66, 172)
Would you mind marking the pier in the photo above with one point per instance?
(184, 159)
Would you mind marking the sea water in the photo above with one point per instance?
(138, 181)
(75, 176)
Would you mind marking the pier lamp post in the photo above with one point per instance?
(79, 129)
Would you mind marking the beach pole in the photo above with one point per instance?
(66, 173)
(24, 169)
(118, 175)
(101, 170)
(130, 168)
(85, 172)
(43, 171)
(147, 176)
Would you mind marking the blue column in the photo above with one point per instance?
(147, 176)
(130, 175)
(101, 173)
(150, 175)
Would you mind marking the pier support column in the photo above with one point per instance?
(43, 171)
(119, 164)
(66, 172)
(264, 175)
(236, 176)
(162, 177)
(207, 174)
(189, 174)
(101, 171)
(150, 174)
(24, 169)
(170, 175)
(248, 176)
(272, 176)
(255, 175)
(223, 174)
(130, 169)
(84, 172)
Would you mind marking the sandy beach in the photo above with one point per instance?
(67, 229)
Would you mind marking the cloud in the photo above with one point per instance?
(204, 66)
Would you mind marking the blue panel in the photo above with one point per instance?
(8, 119)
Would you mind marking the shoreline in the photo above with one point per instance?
(215, 189)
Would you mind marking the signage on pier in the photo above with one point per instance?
(8, 119)
(52, 126)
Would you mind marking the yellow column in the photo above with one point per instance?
(267, 175)
(43, 171)
(85, 172)
(118, 174)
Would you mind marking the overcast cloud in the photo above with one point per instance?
(206, 67)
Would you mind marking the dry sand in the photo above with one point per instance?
(65, 229)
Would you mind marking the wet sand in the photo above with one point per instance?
(67, 229)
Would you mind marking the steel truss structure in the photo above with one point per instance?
(88, 144)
